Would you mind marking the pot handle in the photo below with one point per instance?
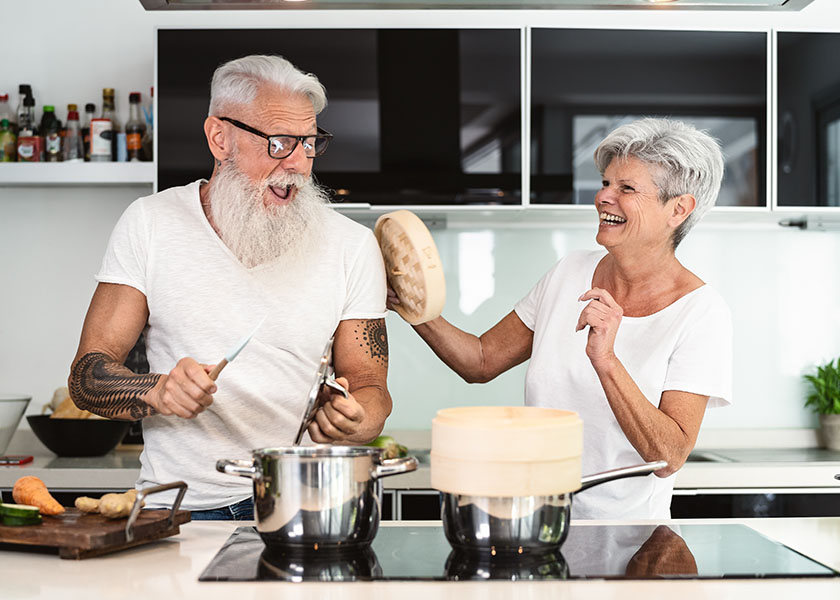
(394, 466)
(598, 478)
(242, 468)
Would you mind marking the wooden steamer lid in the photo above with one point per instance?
(504, 451)
(412, 265)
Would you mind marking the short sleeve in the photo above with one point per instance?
(127, 252)
(702, 359)
(528, 308)
(366, 289)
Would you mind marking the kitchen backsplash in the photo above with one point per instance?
(781, 284)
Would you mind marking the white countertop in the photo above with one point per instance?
(170, 569)
(770, 470)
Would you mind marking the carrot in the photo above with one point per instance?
(32, 491)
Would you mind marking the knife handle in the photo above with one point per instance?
(218, 369)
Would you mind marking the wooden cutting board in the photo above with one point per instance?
(80, 535)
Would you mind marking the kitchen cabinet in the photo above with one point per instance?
(420, 117)
(808, 92)
(584, 83)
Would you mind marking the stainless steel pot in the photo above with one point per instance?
(520, 524)
(318, 497)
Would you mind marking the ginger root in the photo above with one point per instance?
(88, 505)
(111, 506)
(32, 491)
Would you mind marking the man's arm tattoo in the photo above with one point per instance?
(372, 337)
(103, 387)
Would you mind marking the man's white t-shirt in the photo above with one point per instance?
(686, 346)
(202, 301)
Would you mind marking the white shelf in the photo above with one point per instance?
(76, 173)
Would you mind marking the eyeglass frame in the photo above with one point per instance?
(321, 133)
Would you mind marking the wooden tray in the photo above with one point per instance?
(80, 535)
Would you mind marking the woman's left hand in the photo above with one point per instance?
(603, 316)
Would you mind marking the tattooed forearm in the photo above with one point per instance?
(373, 338)
(106, 388)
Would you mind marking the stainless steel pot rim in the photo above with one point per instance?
(319, 451)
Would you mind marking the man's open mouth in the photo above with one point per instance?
(281, 191)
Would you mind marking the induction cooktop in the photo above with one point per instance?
(695, 551)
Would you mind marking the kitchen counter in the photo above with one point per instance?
(170, 569)
(730, 470)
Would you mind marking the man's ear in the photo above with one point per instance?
(683, 206)
(218, 141)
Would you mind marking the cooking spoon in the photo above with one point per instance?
(234, 352)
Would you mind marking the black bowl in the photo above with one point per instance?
(78, 437)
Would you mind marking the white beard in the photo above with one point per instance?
(257, 233)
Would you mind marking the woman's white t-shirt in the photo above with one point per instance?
(686, 346)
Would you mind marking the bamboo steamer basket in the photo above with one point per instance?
(506, 451)
(412, 266)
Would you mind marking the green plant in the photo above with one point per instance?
(824, 398)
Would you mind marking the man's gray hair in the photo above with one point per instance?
(690, 161)
(236, 82)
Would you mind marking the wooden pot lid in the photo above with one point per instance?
(505, 479)
(507, 434)
(412, 266)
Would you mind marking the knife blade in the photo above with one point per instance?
(234, 352)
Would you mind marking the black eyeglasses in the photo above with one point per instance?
(282, 145)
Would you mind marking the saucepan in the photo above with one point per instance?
(520, 524)
(317, 497)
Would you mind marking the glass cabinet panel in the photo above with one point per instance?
(425, 116)
(808, 119)
(587, 82)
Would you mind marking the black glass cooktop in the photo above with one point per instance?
(590, 552)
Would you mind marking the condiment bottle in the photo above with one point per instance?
(6, 113)
(109, 112)
(24, 90)
(51, 132)
(8, 151)
(90, 109)
(134, 129)
(28, 142)
(72, 146)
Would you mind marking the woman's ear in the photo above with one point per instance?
(218, 141)
(682, 207)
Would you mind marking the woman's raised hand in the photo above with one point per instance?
(603, 316)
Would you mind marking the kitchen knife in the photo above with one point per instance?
(234, 351)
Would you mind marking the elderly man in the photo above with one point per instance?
(196, 267)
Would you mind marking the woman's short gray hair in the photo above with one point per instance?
(236, 82)
(691, 161)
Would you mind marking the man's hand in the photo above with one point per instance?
(339, 419)
(186, 391)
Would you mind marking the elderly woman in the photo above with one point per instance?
(627, 337)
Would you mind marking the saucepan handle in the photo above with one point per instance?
(138, 504)
(636, 470)
(394, 466)
(242, 468)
